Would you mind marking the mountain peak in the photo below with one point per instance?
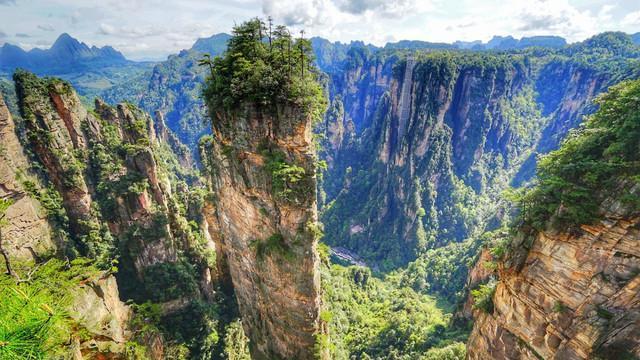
(215, 44)
(64, 40)
(64, 52)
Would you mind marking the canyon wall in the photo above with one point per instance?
(574, 296)
(111, 185)
(262, 172)
(430, 141)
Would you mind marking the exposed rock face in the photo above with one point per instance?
(63, 136)
(478, 274)
(265, 226)
(438, 133)
(98, 308)
(52, 119)
(163, 134)
(124, 192)
(27, 227)
(574, 296)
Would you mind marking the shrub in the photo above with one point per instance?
(168, 281)
(483, 297)
(273, 245)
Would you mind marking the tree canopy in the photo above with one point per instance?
(267, 66)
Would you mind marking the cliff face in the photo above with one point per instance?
(65, 138)
(262, 172)
(27, 226)
(113, 190)
(98, 308)
(575, 296)
(426, 141)
(568, 276)
(423, 138)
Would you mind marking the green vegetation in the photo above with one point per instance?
(287, 179)
(483, 297)
(441, 271)
(34, 318)
(236, 342)
(265, 67)
(169, 281)
(604, 313)
(372, 318)
(273, 245)
(598, 161)
(191, 332)
(559, 307)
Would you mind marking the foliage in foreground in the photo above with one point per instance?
(34, 322)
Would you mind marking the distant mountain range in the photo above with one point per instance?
(214, 45)
(105, 72)
(496, 43)
(65, 55)
(68, 55)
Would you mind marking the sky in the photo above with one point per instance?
(153, 29)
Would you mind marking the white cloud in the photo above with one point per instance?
(555, 16)
(152, 29)
(131, 32)
(393, 8)
(106, 29)
(631, 18)
(46, 27)
(299, 12)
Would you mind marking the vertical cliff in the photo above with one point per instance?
(442, 131)
(266, 219)
(262, 99)
(568, 275)
(27, 229)
(30, 235)
(575, 296)
(430, 140)
(116, 189)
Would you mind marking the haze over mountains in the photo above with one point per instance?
(65, 55)
(68, 55)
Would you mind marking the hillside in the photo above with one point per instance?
(104, 191)
(420, 146)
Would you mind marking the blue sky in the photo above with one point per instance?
(153, 29)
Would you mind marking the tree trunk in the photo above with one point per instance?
(5, 255)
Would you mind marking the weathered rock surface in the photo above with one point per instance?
(53, 115)
(97, 307)
(438, 133)
(64, 136)
(27, 228)
(575, 296)
(112, 168)
(265, 236)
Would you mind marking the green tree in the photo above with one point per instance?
(236, 343)
(598, 161)
(266, 72)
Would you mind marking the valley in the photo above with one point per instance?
(267, 196)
